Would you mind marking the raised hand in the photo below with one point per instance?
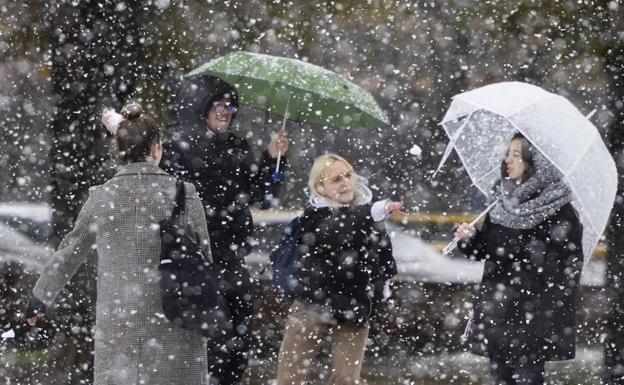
(394, 208)
(32, 321)
(279, 142)
(465, 231)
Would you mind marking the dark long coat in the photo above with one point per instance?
(346, 259)
(526, 303)
(228, 179)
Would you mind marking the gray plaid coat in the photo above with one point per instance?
(134, 343)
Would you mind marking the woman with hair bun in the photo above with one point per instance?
(134, 342)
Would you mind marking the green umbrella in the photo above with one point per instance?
(299, 91)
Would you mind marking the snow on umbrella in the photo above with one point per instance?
(300, 91)
(480, 124)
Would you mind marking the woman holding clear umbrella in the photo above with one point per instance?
(531, 242)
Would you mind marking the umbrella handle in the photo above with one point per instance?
(277, 176)
(450, 246)
(279, 153)
(453, 244)
(279, 157)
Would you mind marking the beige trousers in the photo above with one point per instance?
(305, 329)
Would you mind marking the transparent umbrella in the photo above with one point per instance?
(480, 124)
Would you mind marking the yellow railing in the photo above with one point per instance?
(274, 216)
(435, 218)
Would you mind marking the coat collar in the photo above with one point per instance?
(140, 168)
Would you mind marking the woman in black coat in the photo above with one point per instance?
(347, 262)
(346, 259)
(531, 242)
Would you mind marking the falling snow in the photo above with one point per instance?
(394, 87)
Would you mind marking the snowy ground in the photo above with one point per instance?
(459, 368)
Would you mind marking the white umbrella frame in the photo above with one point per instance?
(490, 115)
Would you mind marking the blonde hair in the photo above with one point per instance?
(317, 174)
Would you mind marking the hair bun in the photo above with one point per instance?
(132, 111)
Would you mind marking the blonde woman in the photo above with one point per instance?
(346, 259)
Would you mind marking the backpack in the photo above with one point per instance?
(189, 287)
(285, 259)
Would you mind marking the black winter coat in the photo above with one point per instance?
(526, 303)
(228, 179)
(346, 259)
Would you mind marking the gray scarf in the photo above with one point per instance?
(525, 205)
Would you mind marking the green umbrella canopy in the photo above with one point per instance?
(312, 94)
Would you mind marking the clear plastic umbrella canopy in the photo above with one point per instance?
(480, 124)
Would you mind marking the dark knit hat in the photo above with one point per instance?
(217, 90)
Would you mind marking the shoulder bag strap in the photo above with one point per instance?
(179, 209)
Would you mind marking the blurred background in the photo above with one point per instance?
(62, 61)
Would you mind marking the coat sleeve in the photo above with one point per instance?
(380, 248)
(262, 186)
(379, 259)
(475, 247)
(311, 280)
(197, 216)
(71, 253)
(562, 265)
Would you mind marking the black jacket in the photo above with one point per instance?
(346, 259)
(228, 179)
(526, 302)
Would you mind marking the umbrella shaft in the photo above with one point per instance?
(279, 157)
(279, 153)
(453, 244)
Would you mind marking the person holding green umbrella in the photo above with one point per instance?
(229, 179)
(296, 90)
